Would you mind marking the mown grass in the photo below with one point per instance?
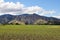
(29, 32)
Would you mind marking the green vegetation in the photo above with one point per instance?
(29, 32)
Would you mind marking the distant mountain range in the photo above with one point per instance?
(28, 19)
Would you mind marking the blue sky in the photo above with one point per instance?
(45, 4)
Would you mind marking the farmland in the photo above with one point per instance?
(29, 32)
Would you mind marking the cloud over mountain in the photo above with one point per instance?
(57, 16)
(19, 8)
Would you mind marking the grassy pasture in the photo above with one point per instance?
(29, 32)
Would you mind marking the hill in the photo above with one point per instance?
(28, 19)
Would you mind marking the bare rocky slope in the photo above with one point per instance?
(28, 19)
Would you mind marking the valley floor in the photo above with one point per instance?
(29, 32)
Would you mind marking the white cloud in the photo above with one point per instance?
(33, 9)
(1, 1)
(47, 12)
(18, 8)
(57, 16)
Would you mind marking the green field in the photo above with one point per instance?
(29, 32)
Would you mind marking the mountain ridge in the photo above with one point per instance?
(27, 19)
